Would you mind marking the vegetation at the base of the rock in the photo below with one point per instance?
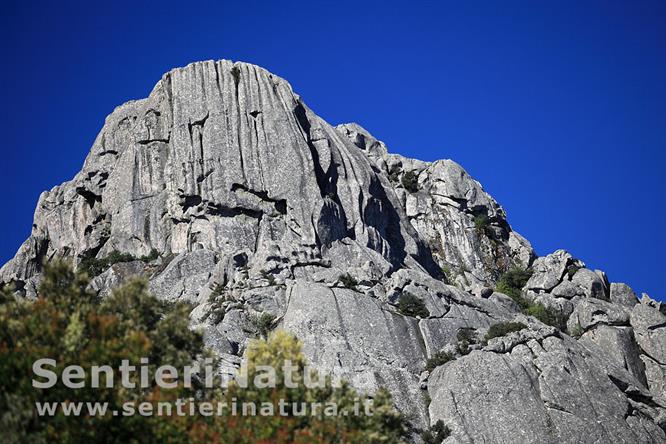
(436, 434)
(94, 267)
(410, 305)
(70, 324)
(439, 358)
(262, 323)
(503, 329)
(410, 180)
(348, 281)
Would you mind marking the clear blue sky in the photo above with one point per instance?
(557, 108)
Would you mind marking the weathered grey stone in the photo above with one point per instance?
(622, 294)
(617, 344)
(591, 312)
(117, 275)
(185, 276)
(547, 391)
(258, 206)
(549, 271)
(591, 284)
(355, 336)
(649, 325)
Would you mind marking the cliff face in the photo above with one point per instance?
(243, 201)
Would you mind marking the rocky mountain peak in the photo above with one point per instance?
(224, 189)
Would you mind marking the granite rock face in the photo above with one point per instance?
(224, 189)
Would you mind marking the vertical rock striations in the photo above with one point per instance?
(223, 188)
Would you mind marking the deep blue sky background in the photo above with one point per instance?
(557, 108)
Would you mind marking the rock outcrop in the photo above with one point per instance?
(224, 189)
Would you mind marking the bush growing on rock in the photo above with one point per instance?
(549, 316)
(263, 323)
(512, 282)
(436, 434)
(410, 305)
(410, 181)
(93, 267)
(465, 338)
(439, 358)
(503, 329)
(348, 281)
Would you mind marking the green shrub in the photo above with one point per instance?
(548, 316)
(410, 305)
(439, 358)
(503, 328)
(348, 281)
(410, 181)
(94, 267)
(436, 434)
(217, 290)
(465, 338)
(154, 254)
(263, 323)
(481, 223)
(571, 270)
(512, 282)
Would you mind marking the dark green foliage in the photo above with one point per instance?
(481, 223)
(571, 270)
(69, 324)
(436, 434)
(465, 338)
(94, 267)
(439, 358)
(446, 271)
(549, 316)
(503, 328)
(348, 281)
(263, 323)
(410, 180)
(154, 254)
(410, 305)
(512, 282)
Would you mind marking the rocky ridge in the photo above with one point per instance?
(224, 189)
